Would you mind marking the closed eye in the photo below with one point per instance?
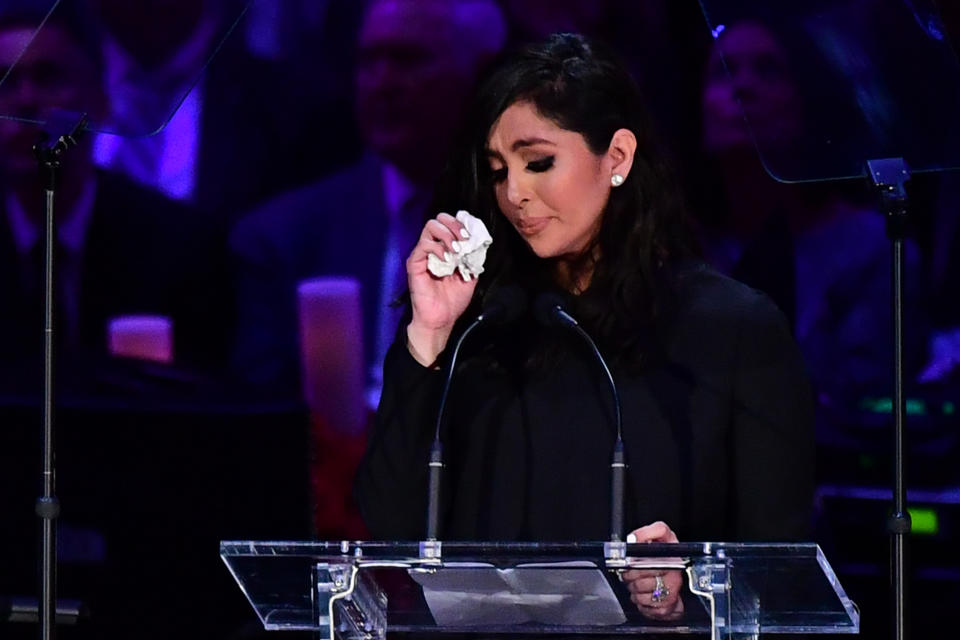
(539, 166)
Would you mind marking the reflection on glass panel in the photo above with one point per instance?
(128, 65)
(825, 86)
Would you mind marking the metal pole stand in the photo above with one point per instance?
(889, 175)
(48, 506)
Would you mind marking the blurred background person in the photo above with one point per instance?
(121, 249)
(417, 63)
(819, 250)
(242, 129)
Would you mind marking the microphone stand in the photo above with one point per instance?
(507, 304)
(888, 176)
(619, 463)
(436, 449)
(47, 507)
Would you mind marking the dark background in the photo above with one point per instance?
(158, 463)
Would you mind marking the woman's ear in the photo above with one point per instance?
(619, 156)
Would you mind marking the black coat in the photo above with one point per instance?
(718, 434)
(143, 254)
(336, 226)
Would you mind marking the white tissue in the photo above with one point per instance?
(469, 253)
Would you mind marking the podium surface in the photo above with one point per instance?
(366, 589)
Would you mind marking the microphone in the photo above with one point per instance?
(549, 311)
(504, 307)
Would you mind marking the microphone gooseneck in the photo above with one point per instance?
(549, 311)
(436, 449)
(505, 306)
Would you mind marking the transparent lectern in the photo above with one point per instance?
(363, 590)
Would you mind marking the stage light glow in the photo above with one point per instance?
(924, 521)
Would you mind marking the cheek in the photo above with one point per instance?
(719, 102)
(559, 191)
(572, 196)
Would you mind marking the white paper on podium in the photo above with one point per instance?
(561, 593)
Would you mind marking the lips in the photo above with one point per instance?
(532, 226)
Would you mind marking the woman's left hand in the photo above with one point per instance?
(656, 599)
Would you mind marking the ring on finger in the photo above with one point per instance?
(660, 590)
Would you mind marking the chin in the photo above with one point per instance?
(539, 248)
(546, 250)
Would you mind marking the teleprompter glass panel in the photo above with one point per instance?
(825, 86)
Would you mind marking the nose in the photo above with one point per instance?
(516, 190)
(379, 73)
(744, 83)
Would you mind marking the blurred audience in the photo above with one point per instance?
(533, 20)
(819, 250)
(324, 124)
(242, 129)
(121, 249)
(417, 62)
(296, 93)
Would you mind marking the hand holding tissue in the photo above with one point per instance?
(469, 253)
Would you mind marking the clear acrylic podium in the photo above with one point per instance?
(362, 590)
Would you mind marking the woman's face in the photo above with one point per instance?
(548, 183)
(759, 85)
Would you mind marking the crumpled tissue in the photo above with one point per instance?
(469, 253)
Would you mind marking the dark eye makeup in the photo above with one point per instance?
(539, 166)
(536, 166)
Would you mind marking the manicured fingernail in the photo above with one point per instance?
(464, 234)
(447, 256)
(631, 538)
(456, 246)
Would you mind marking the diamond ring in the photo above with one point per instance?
(660, 591)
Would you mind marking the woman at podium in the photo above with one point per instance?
(560, 164)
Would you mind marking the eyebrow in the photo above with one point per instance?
(522, 143)
(529, 142)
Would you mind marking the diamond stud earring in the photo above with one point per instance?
(616, 179)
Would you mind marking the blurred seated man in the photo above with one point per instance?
(417, 63)
(245, 127)
(120, 249)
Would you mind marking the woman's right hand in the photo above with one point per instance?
(437, 302)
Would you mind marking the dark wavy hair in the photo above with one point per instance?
(582, 87)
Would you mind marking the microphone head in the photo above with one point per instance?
(505, 305)
(550, 310)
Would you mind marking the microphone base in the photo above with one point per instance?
(431, 549)
(615, 553)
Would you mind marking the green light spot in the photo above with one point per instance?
(877, 405)
(949, 408)
(924, 521)
(914, 406)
